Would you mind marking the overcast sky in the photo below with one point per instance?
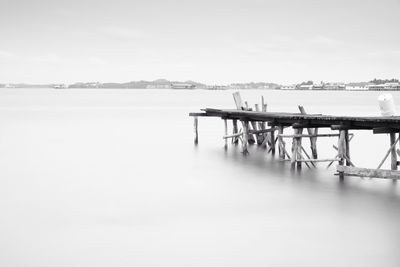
(211, 41)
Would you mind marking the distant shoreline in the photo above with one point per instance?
(206, 89)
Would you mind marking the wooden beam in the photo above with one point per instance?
(235, 135)
(263, 131)
(340, 127)
(364, 172)
(198, 114)
(308, 135)
(318, 160)
(384, 130)
(300, 125)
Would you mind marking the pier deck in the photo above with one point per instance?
(307, 120)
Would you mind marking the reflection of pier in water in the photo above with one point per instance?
(266, 129)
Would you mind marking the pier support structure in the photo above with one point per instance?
(254, 127)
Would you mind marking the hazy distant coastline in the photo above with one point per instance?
(376, 84)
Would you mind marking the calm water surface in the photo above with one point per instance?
(112, 178)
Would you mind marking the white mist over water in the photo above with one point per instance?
(111, 177)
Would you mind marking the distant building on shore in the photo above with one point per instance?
(60, 86)
(384, 87)
(356, 87)
(182, 86)
(217, 87)
(334, 86)
(288, 87)
(305, 86)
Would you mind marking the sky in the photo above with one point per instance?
(211, 41)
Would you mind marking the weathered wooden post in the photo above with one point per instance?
(313, 139)
(347, 147)
(226, 132)
(272, 142)
(196, 133)
(341, 151)
(261, 126)
(281, 146)
(393, 151)
(294, 150)
(299, 146)
(235, 130)
(245, 137)
(239, 105)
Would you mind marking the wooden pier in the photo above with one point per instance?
(267, 129)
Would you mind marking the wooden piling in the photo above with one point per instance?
(235, 131)
(226, 132)
(281, 146)
(299, 145)
(341, 151)
(196, 133)
(245, 137)
(347, 148)
(294, 150)
(272, 135)
(393, 151)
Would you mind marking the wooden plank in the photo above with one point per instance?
(356, 122)
(364, 172)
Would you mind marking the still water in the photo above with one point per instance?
(112, 178)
